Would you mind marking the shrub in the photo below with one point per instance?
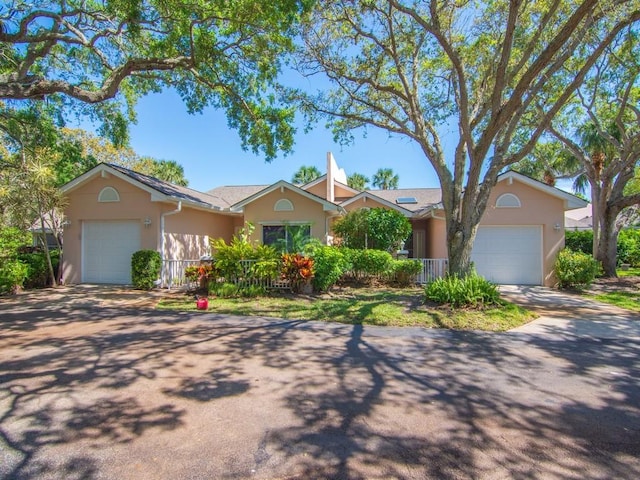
(203, 274)
(368, 263)
(224, 289)
(37, 268)
(470, 291)
(579, 241)
(297, 269)
(404, 272)
(12, 275)
(575, 269)
(145, 268)
(329, 264)
(629, 247)
(375, 228)
(12, 271)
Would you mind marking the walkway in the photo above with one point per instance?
(565, 314)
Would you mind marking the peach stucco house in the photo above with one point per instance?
(113, 212)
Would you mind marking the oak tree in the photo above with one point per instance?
(496, 71)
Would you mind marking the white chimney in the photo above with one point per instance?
(331, 168)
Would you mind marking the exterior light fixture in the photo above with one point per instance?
(147, 222)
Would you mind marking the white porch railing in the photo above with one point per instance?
(172, 273)
(432, 268)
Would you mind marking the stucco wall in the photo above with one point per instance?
(187, 233)
(83, 205)
(537, 208)
(304, 210)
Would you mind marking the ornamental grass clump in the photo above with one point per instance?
(470, 291)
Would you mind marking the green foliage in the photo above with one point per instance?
(12, 275)
(376, 228)
(228, 257)
(579, 241)
(221, 54)
(628, 244)
(329, 264)
(12, 271)
(404, 272)
(37, 268)
(575, 269)
(470, 291)
(388, 229)
(233, 290)
(358, 181)
(224, 289)
(305, 174)
(145, 268)
(629, 247)
(368, 263)
(384, 179)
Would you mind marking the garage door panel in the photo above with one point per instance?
(509, 255)
(107, 247)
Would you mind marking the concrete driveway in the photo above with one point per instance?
(93, 390)
(564, 314)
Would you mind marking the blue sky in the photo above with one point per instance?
(211, 155)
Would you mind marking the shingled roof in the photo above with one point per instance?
(175, 191)
(425, 197)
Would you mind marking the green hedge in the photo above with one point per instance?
(145, 268)
(575, 269)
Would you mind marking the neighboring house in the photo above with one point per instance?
(579, 219)
(113, 211)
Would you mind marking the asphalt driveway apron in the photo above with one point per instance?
(98, 389)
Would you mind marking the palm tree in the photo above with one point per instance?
(305, 174)
(358, 181)
(384, 179)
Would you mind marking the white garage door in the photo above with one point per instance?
(509, 255)
(106, 251)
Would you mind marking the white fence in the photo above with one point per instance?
(173, 273)
(432, 268)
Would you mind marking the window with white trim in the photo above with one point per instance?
(283, 205)
(508, 200)
(108, 194)
(286, 238)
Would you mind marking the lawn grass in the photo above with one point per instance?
(632, 272)
(368, 306)
(628, 300)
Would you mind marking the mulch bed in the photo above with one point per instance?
(621, 284)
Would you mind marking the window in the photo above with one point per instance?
(287, 238)
(283, 205)
(406, 200)
(508, 200)
(108, 194)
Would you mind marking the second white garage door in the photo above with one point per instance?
(106, 251)
(509, 255)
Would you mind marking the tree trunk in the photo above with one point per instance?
(52, 274)
(607, 253)
(460, 240)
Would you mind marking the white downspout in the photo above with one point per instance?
(162, 215)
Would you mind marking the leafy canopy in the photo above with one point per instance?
(98, 58)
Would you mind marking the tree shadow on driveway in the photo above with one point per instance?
(119, 393)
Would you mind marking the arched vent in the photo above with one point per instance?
(108, 194)
(508, 200)
(283, 205)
